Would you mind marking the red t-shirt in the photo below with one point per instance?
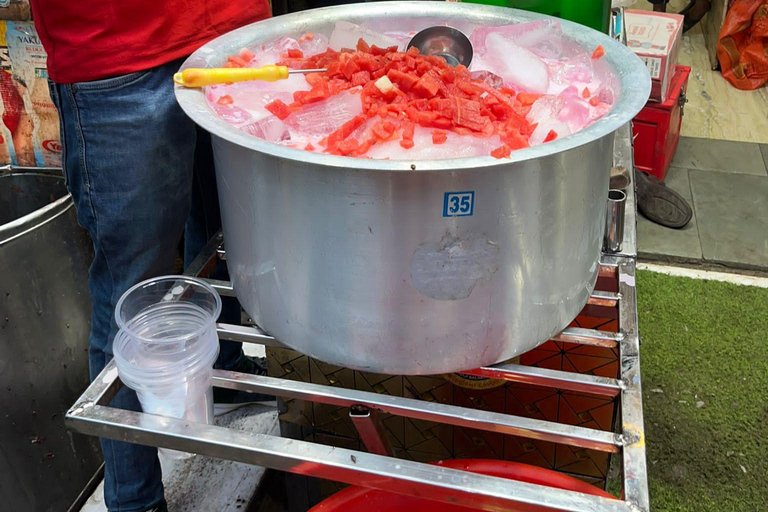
(93, 39)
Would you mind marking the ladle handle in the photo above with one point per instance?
(202, 77)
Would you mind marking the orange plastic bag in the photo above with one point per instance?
(742, 46)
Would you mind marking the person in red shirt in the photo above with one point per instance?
(139, 170)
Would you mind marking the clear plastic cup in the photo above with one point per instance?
(167, 345)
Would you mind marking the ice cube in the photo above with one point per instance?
(269, 128)
(489, 78)
(543, 113)
(528, 35)
(575, 69)
(516, 65)
(575, 111)
(254, 96)
(285, 44)
(321, 118)
(403, 37)
(346, 35)
(310, 47)
(232, 114)
(543, 129)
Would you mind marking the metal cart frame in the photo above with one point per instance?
(376, 468)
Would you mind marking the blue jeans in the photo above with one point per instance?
(140, 172)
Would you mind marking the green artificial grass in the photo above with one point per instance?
(704, 360)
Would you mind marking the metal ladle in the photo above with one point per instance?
(445, 42)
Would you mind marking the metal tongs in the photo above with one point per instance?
(445, 42)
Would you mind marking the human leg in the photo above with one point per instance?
(128, 153)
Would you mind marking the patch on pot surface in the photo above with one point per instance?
(450, 269)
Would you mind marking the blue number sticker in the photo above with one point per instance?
(459, 204)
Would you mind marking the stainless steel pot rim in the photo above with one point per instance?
(635, 83)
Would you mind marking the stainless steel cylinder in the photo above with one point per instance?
(413, 267)
(45, 311)
(614, 221)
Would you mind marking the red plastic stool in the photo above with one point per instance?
(355, 499)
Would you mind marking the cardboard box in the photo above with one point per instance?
(656, 38)
(36, 140)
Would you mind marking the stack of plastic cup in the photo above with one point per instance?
(167, 345)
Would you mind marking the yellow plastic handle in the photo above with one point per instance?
(203, 77)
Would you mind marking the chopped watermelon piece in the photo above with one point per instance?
(552, 135)
(526, 98)
(299, 96)
(594, 101)
(279, 109)
(516, 140)
(439, 137)
(235, 62)
(308, 36)
(317, 93)
(406, 143)
(467, 114)
(350, 68)
(225, 100)
(345, 130)
(501, 152)
(599, 52)
(360, 78)
(404, 80)
(334, 68)
(426, 87)
(247, 55)
(309, 147)
(362, 46)
(347, 146)
(295, 54)
(408, 131)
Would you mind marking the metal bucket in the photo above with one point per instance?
(45, 313)
(365, 264)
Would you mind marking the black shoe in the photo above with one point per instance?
(163, 507)
(227, 400)
(660, 203)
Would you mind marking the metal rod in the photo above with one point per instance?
(419, 409)
(245, 334)
(206, 256)
(255, 334)
(589, 337)
(614, 221)
(634, 464)
(224, 288)
(568, 381)
(371, 430)
(406, 477)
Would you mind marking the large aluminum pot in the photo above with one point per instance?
(45, 312)
(357, 263)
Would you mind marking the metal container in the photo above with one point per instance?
(416, 267)
(44, 323)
